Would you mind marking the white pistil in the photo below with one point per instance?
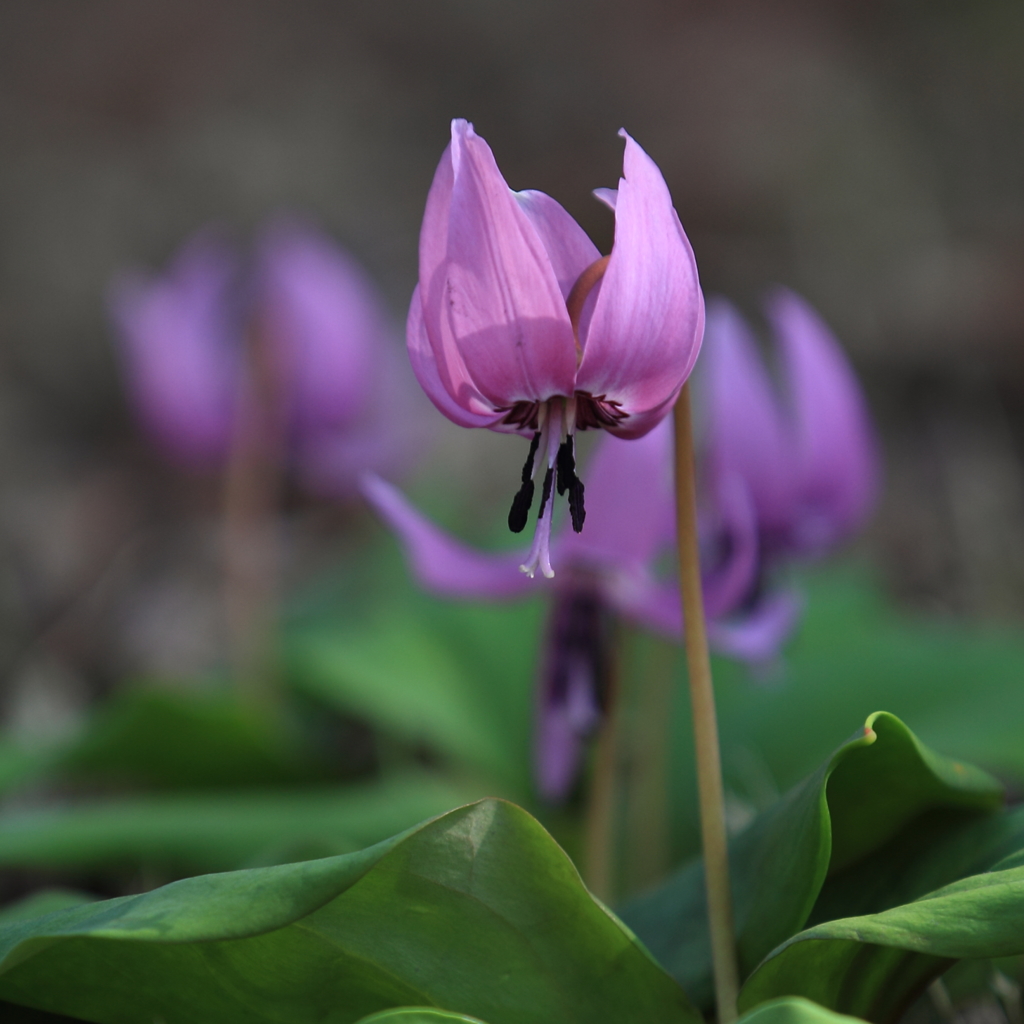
(551, 433)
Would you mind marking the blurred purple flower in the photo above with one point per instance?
(341, 389)
(518, 324)
(805, 463)
(610, 568)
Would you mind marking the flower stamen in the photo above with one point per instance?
(523, 500)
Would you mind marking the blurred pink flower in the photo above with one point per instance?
(609, 568)
(518, 324)
(804, 461)
(186, 337)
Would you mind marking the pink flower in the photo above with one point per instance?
(188, 335)
(519, 325)
(609, 569)
(781, 479)
(803, 461)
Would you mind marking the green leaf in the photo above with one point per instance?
(793, 1010)
(477, 912)
(163, 738)
(873, 965)
(215, 832)
(955, 684)
(418, 1015)
(872, 787)
(453, 676)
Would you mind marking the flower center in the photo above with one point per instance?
(554, 423)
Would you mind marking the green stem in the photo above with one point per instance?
(705, 726)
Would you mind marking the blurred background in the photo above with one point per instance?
(867, 154)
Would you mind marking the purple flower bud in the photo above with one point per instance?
(518, 324)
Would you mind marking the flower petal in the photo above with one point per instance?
(746, 434)
(837, 452)
(645, 332)
(449, 368)
(758, 636)
(494, 297)
(568, 246)
(426, 368)
(730, 577)
(441, 563)
(630, 503)
(182, 350)
(322, 315)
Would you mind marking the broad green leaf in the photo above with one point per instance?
(955, 684)
(186, 739)
(793, 1010)
(418, 1015)
(941, 846)
(872, 787)
(456, 677)
(872, 965)
(45, 901)
(216, 832)
(477, 912)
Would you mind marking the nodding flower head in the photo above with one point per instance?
(213, 341)
(519, 324)
(806, 452)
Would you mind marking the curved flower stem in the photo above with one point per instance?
(705, 726)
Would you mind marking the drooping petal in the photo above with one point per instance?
(836, 450)
(449, 367)
(747, 436)
(645, 332)
(426, 368)
(440, 563)
(180, 337)
(630, 503)
(568, 246)
(320, 313)
(757, 636)
(492, 299)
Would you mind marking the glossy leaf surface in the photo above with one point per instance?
(873, 787)
(477, 912)
(793, 1010)
(872, 966)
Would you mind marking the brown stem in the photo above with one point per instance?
(251, 547)
(705, 726)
